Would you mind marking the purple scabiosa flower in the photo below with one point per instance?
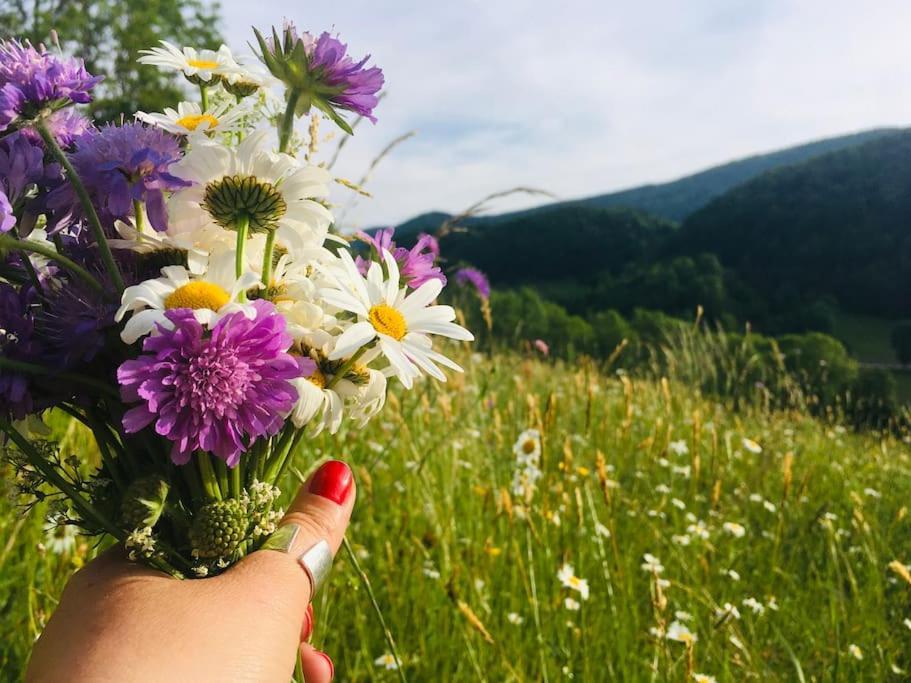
(475, 278)
(127, 163)
(214, 391)
(72, 322)
(17, 342)
(322, 74)
(66, 125)
(416, 265)
(7, 218)
(32, 80)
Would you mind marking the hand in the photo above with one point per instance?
(120, 621)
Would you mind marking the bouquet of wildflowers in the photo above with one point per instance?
(172, 282)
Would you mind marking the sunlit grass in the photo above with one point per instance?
(466, 573)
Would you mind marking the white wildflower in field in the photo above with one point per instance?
(430, 572)
(680, 615)
(872, 493)
(755, 498)
(682, 471)
(772, 604)
(752, 446)
(698, 529)
(907, 623)
(571, 605)
(770, 506)
(678, 447)
(754, 604)
(727, 611)
(568, 578)
(387, 661)
(733, 574)
(662, 489)
(664, 462)
(651, 564)
(656, 632)
(602, 530)
(704, 678)
(514, 618)
(681, 539)
(677, 503)
(679, 632)
(528, 446)
(855, 652)
(59, 537)
(734, 529)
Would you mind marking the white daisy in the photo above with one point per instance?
(651, 564)
(151, 241)
(855, 651)
(270, 191)
(211, 296)
(734, 529)
(189, 119)
(59, 536)
(391, 319)
(752, 446)
(514, 618)
(528, 446)
(568, 578)
(679, 632)
(572, 605)
(197, 65)
(387, 661)
(704, 678)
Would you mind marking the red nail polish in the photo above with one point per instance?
(333, 481)
(329, 662)
(307, 631)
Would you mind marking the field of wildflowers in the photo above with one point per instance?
(552, 522)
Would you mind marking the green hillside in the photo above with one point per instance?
(834, 228)
(679, 198)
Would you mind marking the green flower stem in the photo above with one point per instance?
(289, 455)
(30, 269)
(221, 471)
(287, 124)
(277, 457)
(85, 201)
(207, 474)
(8, 242)
(267, 257)
(241, 228)
(40, 370)
(235, 479)
(140, 216)
(203, 97)
(346, 366)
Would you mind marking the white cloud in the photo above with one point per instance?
(582, 98)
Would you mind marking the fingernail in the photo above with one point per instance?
(333, 481)
(329, 662)
(308, 624)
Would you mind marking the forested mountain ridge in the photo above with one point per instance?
(677, 199)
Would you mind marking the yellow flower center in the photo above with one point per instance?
(574, 581)
(318, 379)
(196, 295)
(528, 447)
(202, 63)
(192, 121)
(386, 320)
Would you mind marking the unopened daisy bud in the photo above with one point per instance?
(218, 528)
(143, 502)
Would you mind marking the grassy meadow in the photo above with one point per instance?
(770, 534)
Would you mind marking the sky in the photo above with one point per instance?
(579, 98)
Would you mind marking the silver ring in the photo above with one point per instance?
(317, 562)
